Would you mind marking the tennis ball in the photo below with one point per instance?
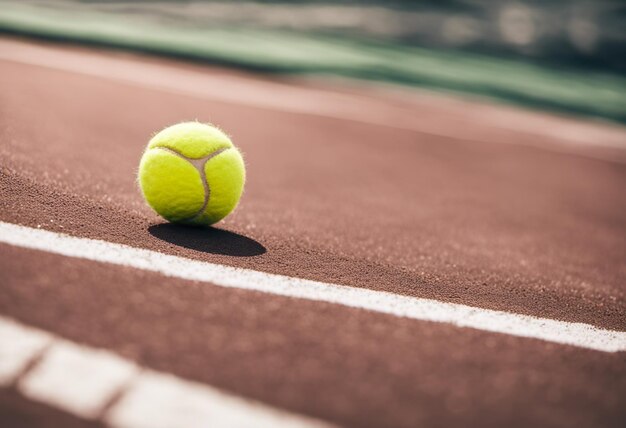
(192, 173)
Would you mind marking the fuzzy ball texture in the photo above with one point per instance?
(192, 173)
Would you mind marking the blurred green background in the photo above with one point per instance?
(565, 56)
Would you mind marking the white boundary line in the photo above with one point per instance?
(96, 384)
(569, 333)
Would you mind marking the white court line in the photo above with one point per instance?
(286, 98)
(569, 333)
(18, 347)
(158, 400)
(77, 379)
(83, 381)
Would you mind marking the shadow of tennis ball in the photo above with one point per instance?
(208, 240)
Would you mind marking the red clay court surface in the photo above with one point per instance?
(419, 196)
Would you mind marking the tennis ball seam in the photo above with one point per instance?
(199, 165)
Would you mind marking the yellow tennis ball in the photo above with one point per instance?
(192, 173)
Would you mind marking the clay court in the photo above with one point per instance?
(399, 258)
